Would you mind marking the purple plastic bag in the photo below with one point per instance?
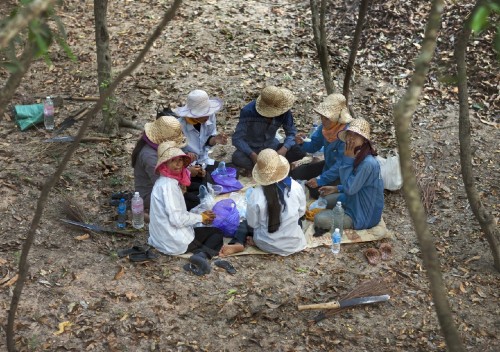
(228, 181)
(227, 217)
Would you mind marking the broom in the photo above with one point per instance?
(373, 287)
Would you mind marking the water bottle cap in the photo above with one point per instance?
(337, 230)
(122, 200)
(136, 194)
(339, 203)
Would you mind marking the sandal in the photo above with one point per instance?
(133, 250)
(224, 264)
(372, 255)
(123, 194)
(198, 265)
(143, 257)
(385, 251)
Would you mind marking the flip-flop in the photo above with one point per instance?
(123, 194)
(385, 251)
(133, 250)
(198, 265)
(193, 269)
(143, 257)
(373, 256)
(224, 264)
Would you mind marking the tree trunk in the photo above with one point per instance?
(15, 78)
(485, 219)
(30, 236)
(109, 120)
(363, 8)
(321, 45)
(403, 111)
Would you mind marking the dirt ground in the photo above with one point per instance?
(232, 50)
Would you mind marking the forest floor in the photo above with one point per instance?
(232, 49)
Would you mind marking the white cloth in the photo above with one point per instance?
(289, 238)
(171, 225)
(197, 141)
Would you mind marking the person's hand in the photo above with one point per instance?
(313, 183)
(220, 139)
(282, 151)
(196, 171)
(350, 146)
(183, 189)
(192, 156)
(326, 190)
(293, 165)
(299, 138)
(254, 156)
(207, 217)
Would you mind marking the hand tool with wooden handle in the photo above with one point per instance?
(346, 302)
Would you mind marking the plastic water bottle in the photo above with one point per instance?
(122, 214)
(336, 239)
(48, 114)
(338, 218)
(221, 169)
(137, 211)
(313, 128)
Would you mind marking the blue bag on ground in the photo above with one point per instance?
(228, 180)
(227, 217)
(28, 115)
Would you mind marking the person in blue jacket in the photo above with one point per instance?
(335, 117)
(361, 189)
(256, 129)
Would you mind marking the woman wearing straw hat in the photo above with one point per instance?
(273, 210)
(334, 118)
(259, 121)
(171, 228)
(145, 155)
(361, 189)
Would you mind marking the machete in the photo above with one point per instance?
(346, 303)
(97, 228)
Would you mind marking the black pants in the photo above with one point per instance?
(206, 239)
(306, 172)
(241, 233)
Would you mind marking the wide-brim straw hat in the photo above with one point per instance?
(168, 151)
(274, 101)
(199, 105)
(359, 126)
(334, 108)
(270, 167)
(165, 128)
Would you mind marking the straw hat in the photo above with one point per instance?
(270, 167)
(169, 150)
(359, 126)
(165, 128)
(274, 101)
(199, 105)
(334, 108)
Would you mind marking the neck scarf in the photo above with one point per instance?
(330, 134)
(192, 121)
(149, 142)
(184, 177)
(364, 150)
(282, 186)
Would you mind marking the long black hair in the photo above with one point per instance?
(365, 149)
(275, 197)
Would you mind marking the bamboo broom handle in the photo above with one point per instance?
(328, 305)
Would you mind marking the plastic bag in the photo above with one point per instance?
(207, 200)
(228, 181)
(227, 217)
(28, 115)
(390, 169)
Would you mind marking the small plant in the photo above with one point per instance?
(116, 181)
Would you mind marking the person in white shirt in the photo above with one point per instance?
(172, 228)
(273, 211)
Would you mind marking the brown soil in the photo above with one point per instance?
(233, 49)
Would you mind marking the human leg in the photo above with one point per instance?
(242, 160)
(294, 153)
(237, 243)
(323, 221)
(206, 239)
(307, 171)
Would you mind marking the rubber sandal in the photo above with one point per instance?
(224, 264)
(123, 194)
(133, 250)
(385, 251)
(373, 256)
(198, 265)
(143, 257)
(192, 269)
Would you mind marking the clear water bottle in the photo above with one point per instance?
(122, 214)
(48, 114)
(221, 169)
(137, 211)
(313, 129)
(338, 218)
(336, 239)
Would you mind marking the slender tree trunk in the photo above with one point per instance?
(42, 200)
(109, 120)
(319, 33)
(403, 111)
(485, 219)
(363, 9)
(16, 78)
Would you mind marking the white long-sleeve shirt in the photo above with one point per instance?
(171, 225)
(289, 238)
(197, 141)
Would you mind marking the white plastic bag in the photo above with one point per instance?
(390, 170)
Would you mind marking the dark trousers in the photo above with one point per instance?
(241, 233)
(306, 172)
(206, 239)
(242, 160)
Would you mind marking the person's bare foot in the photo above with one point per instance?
(229, 249)
(250, 241)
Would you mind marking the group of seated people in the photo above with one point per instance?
(171, 162)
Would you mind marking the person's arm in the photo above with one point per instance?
(179, 217)
(149, 163)
(302, 201)
(290, 130)
(253, 210)
(240, 133)
(351, 184)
